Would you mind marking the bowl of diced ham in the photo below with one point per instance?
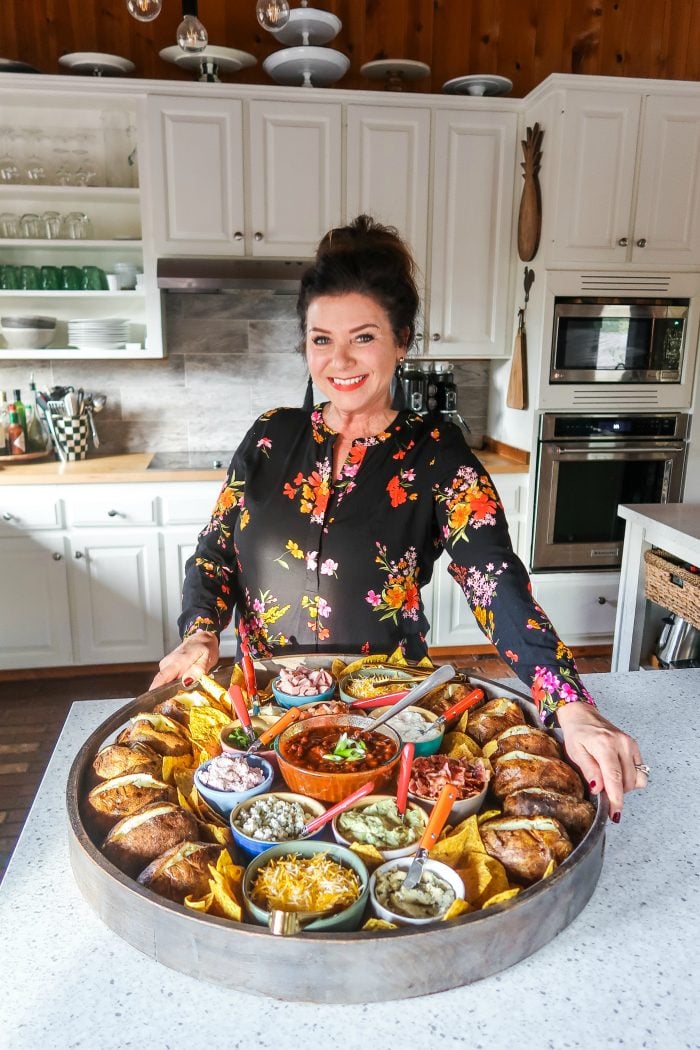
(299, 685)
(430, 773)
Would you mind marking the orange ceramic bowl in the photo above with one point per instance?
(333, 786)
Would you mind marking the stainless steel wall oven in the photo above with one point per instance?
(587, 465)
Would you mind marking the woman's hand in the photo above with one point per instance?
(609, 759)
(198, 652)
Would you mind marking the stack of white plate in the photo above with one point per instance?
(91, 333)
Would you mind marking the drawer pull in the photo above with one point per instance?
(601, 600)
(56, 556)
(115, 514)
(7, 516)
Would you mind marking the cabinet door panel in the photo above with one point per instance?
(179, 544)
(472, 213)
(596, 176)
(197, 154)
(668, 199)
(117, 596)
(34, 618)
(295, 175)
(388, 153)
(453, 620)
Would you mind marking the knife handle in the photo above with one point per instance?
(366, 704)
(276, 728)
(239, 705)
(438, 817)
(249, 675)
(339, 807)
(462, 705)
(404, 776)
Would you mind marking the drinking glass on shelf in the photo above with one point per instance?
(9, 277)
(76, 226)
(9, 224)
(71, 278)
(50, 278)
(94, 279)
(34, 168)
(62, 160)
(50, 224)
(29, 277)
(9, 169)
(29, 225)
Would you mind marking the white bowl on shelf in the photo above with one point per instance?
(27, 338)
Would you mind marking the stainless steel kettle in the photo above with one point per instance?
(679, 642)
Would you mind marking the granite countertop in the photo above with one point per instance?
(133, 467)
(618, 975)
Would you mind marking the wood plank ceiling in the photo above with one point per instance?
(524, 40)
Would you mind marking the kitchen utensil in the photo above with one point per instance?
(287, 923)
(93, 429)
(438, 677)
(367, 703)
(530, 214)
(438, 818)
(98, 402)
(470, 700)
(250, 682)
(516, 396)
(405, 764)
(43, 404)
(679, 642)
(241, 709)
(70, 403)
(318, 822)
(275, 729)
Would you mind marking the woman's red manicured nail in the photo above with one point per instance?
(591, 783)
(187, 682)
(616, 818)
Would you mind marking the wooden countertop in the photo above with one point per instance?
(132, 467)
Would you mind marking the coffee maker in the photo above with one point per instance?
(429, 388)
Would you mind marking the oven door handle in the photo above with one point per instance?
(617, 450)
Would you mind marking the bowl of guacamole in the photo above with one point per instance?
(375, 821)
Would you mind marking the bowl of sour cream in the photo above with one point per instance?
(410, 723)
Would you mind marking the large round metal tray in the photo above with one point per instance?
(357, 967)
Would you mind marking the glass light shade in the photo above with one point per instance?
(272, 14)
(191, 34)
(144, 10)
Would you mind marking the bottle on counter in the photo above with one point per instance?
(18, 407)
(36, 436)
(15, 433)
(4, 424)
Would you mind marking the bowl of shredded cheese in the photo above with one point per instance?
(308, 876)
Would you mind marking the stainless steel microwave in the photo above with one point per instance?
(598, 340)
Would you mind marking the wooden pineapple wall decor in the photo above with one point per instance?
(530, 216)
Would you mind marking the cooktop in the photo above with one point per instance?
(217, 460)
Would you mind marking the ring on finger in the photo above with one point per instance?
(642, 768)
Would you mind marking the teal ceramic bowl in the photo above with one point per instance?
(286, 700)
(428, 745)
(349, 918)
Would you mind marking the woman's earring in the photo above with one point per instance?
(308, 405)
(398, 401)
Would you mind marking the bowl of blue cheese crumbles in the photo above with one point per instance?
(272, 818)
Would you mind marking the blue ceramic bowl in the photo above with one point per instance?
(286, 700)
(428, 745)
(347, 919)
(251, 846)
(225, 801)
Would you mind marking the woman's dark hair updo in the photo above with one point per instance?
(369, 259)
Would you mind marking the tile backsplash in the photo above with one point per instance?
(231, 356)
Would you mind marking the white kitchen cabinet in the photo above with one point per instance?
(35, 627)
(628, 180)
(453, 623)
(581, 605)
(295, 175)
(388, 170)
(472, 200)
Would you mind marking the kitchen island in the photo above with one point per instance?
(675, 528)
(618, 975)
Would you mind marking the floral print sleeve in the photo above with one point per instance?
(306, 562)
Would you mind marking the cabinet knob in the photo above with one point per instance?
(238, 236)
(435, 337)
(418, 335)
(258, 236)
(623, 242)
(79, 554)
(115, 514)
(56, 556)
(7, 516)
(642, 242)
(601, 600)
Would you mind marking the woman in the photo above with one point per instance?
(332, 516)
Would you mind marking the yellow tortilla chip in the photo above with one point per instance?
(459, 745)
(379, 924)
(457, 908)
(184, 780)
(484, 877)
(490, 814)
(499, 898)
(549, 869)
(455, 844)
(205, 727)
(489, 748)
(175, 764)
(338, 667)
(397, 658)
(366, 661)
(202, 904)
(225, 883)
(370, 855)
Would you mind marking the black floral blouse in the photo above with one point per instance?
(309, 564)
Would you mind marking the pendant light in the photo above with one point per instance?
(191, 34)
(272, 14)
(144, 10)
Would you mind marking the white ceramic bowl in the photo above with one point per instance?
(27, 338)
(443, 871)
(387, 854)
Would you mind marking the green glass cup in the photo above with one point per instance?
(94, 279)
(71, 278)
(50, 278)
(9, 277)
(29, 277)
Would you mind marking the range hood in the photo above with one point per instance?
(218, 275)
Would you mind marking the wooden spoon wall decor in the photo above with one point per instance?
(530, 215)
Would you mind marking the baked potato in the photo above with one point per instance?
(111, 800)
(118, 760)
(137, 840)
(523, 738)
(492, 718)
(158, 732)
(576, 815)
(517, 770)
(525, 846)
(182, 871)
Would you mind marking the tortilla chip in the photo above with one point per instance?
(459, 745)
(455, 844)
(489, 748)
(225, 883)
(176, 764)
(205, 728)
(202, 904)
(366, 661)
(457, 908)
(184, 781)
(490, 814)
(499, 898)
(338, 667)
(549, 869)
(370, 855)
(379, 924)
(398, 658)
(484, 877)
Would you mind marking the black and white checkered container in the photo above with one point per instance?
(72, 435)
